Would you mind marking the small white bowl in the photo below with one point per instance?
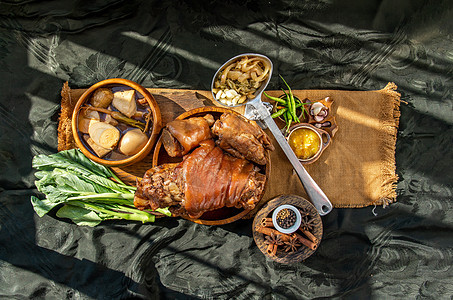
(292, 228)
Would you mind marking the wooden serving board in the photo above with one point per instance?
(172, 103)
(356, 170)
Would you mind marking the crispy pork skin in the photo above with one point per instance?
(159, 188)
(242, 138)
(206, 179)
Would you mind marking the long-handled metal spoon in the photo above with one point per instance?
(256, 107)
(317, 196)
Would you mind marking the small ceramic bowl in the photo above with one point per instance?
(323, 138)
(292, 228)
(120, 160)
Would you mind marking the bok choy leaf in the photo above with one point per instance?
(88, 191)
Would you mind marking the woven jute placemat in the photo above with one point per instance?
(356, 170)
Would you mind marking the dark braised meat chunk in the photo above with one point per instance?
(206, 179)
(159, 187)
(181, 136)
(242, 138)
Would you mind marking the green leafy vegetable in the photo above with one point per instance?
(89, 192)
(79, 215)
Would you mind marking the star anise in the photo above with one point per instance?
(306, 223)
(274, 239)
(303, 213)
(292, 245)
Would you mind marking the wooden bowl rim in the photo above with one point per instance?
(207, 109)
(157, 122)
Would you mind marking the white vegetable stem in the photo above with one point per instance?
(124, 101)
(104, 134)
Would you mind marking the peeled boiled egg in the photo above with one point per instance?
(132, 142)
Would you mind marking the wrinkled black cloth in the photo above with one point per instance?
(404, 251)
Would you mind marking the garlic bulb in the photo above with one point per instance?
(319, 111)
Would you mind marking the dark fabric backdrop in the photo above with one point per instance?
(404, 251)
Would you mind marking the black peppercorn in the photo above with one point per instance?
(286, 218)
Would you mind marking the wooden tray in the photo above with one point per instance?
(220, 216)
(173, 103)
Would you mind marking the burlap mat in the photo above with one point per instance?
(356, 170)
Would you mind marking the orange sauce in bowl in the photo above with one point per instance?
(304, 142)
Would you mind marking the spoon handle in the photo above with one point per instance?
(317, 196)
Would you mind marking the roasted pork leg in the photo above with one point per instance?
(242, 138)
(206, 179)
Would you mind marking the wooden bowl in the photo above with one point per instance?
(266, 212)
(219, 216)
(157, 122)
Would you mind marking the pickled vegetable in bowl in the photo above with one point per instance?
(240, 79)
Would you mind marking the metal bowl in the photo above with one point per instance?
(259, 90)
